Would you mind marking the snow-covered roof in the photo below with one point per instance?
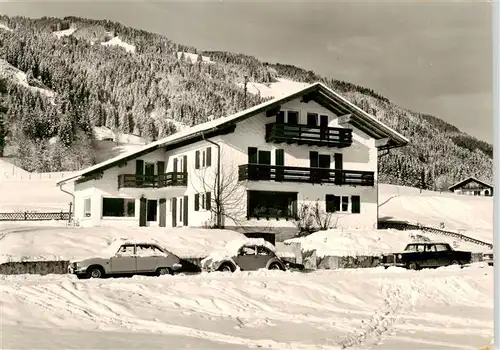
(469, 179)
(379, 129)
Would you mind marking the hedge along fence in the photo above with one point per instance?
(404, 226)
(361, 261)
(34, 267)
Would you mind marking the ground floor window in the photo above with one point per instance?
(272, 204)
(87, 207)
(118, 207)
(341, 204)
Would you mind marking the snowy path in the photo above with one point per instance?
(348, 309)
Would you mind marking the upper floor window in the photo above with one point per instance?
(203, 158)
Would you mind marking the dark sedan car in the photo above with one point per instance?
(427, 255)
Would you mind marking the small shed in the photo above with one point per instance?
(472, 187)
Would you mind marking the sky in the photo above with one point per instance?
(430, 57)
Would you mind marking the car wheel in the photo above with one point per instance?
(163, 271)
(413, 266)
(455, 262)
(274, 266)
(226, 268)
(95, 272)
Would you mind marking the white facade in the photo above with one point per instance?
(361, 156)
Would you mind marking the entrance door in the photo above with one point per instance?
(152, 210)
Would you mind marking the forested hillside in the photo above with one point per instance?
(58, 81)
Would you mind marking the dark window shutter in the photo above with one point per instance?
(280, 157)
(209, 156)
(176, 161)
(355, 204)
(139, 167)
(313, 159)
(196, 202)
(185, 164)
(209, 202)
(330, 203)
(160, 167)
(197, 160)
(280, 117)
(252, 155)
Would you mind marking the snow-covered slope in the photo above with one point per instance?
(12, 73)
(116, 41)
(4, 27)
(59, 34)
(470, 215)
(274, 90)
(440, 309)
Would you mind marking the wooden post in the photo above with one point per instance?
(70, 214)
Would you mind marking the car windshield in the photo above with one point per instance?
(413, 248)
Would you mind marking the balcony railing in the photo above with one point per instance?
(152, 181)
(309, 135)
(260, 172)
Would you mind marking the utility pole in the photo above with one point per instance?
(245, 99)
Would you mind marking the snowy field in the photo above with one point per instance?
(445, 308)
(470, 215)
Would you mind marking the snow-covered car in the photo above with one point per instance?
(248, 255)
(488, 258)
(127, 257)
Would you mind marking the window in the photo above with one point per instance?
(272, 204)
(203, 158)
(87, 207)
(345, 203)
(118, 207)
(126, 250)
(292, 117)
(336, 203)
(263, 251)
(146, 250)
(441, 247)
(312, 119)
(355, 204)
(202, 201)
(247, 251)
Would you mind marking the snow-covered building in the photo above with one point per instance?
(255, 169)
(472, 187)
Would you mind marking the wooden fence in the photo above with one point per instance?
(400, 225)
(35, 216)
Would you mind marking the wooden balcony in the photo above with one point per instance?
(152, 181)
(259, 172)
(309, 135)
